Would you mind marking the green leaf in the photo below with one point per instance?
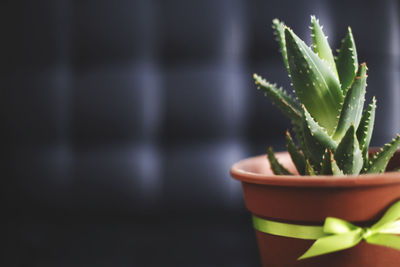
(279, 31)
(309, 169)
(314, 83)
(326, 168)
(313, 150)
(380, 160)
(276, 167)
(348, 154)
(335, 168)
(353, 103)
(280, 98)
(329, 165)
(321, 45)
(346, 61)
(299, 134)
(318, 133)
(297, 158)
(364, 131)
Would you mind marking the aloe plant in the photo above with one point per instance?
(332, 131)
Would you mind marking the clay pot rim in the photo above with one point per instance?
(238, 171)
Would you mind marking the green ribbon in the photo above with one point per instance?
(337, 234)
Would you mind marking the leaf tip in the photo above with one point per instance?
(349, 29)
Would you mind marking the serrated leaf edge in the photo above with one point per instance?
(276, 167)
(282, 95)
(385, 149)
(296, 156)
(314, 25)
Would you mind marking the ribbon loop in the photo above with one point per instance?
(337, 226)
(390, 216)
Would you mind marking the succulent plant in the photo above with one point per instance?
(332, 131)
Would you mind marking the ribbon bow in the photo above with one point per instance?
(337, 234)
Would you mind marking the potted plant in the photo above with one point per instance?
(327, 201)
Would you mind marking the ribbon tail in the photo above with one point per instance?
(386, 240)
(332, 243)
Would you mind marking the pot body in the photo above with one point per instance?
(308, 201)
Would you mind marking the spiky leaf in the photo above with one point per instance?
(297, 158)
(348, 154)
(321, 45)
(280, 98)
(380, 160)
(314, 83)
(299, 134)
(364, 131)
(318, 133)
(335, 168)
(329, 165)
(279, 31)
(326, 168)
(346, 61)
(309, 170)
(313, 150)
(276, 167)
(353, 103)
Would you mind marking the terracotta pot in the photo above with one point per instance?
(309, 200)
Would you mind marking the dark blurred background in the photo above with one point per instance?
(121, 119)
